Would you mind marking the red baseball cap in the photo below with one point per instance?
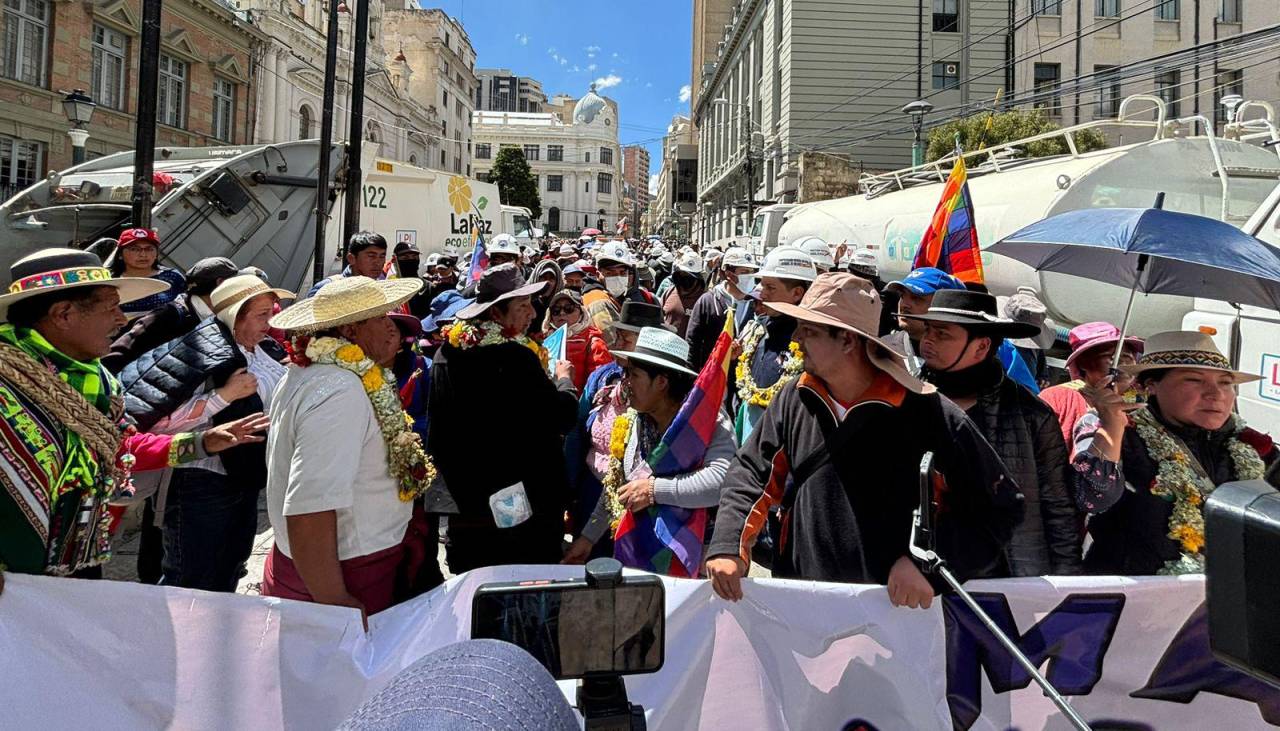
(134, 235)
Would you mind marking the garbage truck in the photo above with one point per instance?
(1226, 177)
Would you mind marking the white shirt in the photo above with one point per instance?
(325, 452)
(266, 369)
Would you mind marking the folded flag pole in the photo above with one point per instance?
(667, 539)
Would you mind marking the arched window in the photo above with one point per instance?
(413, 160)
(600, 221)
(304, 122)
(553, 219)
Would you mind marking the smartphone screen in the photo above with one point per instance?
(575, 630)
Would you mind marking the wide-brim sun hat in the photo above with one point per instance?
(975, 312)
(497, 284)
(228, 298)
(1185, 349)
(851, 303)
(52, 270)
(659, 347)
(1025, 306)
(1090, 336)
(346, 300)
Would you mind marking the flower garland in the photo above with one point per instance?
(1182, 484)
(464, 335)
(406, 460)
(616, 476)
(747, 389)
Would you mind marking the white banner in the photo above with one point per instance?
(792, 655)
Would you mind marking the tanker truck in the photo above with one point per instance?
(1225, 177)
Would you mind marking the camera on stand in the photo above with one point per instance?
(595, 630)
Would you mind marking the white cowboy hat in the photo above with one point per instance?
(1185, 349)
(50, 270)
(346, 300)
(660, 347)
(227, 298)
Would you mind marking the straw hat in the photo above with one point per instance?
(1185, 349)
(227, 298)
(852, 303)
(51, 270)
(659, 347)
(347, 300)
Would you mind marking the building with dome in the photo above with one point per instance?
(573, 151)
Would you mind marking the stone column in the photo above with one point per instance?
(283, 104)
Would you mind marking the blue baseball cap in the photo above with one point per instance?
(925, 281)
(443, 309)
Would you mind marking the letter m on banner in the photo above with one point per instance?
(1073, 638)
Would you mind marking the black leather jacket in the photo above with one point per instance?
(1024, 431)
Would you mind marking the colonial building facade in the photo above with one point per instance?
(578, 165)
(207, 83)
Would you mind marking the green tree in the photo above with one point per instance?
(1007, 126)
(515, 181)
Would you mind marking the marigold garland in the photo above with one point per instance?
(465, 334)
(406, 460)
(1180, 483)
(615, 477)
(748, 391)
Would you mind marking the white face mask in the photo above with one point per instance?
(617, 286)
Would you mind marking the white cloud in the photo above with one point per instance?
(575, 69)
(592, 49)
(685, 92)
(614, 55)
(653, 184)
(563, 61)
(551, 50)
(522, 39)
(604, 82)
(648, 84)
(591, 67)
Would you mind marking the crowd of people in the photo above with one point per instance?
(406, 402)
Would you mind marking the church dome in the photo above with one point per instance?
(588, 107)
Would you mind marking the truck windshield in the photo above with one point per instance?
(757, 226)
(522, 225)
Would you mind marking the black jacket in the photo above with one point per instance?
(848, 489)
(1024, 431)
(1131, 538)
(706, 321)
(169, 321)
(494, 419)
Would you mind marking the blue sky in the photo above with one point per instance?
(638, 50)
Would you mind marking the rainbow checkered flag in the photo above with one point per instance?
(667, 539)
(479, 258)
(951, 242)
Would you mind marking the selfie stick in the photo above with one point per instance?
(921, 548)
(602, 699)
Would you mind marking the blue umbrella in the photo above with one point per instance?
(1154, 251)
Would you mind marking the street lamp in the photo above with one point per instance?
(79, 110)
(751, 180)
(917, 109)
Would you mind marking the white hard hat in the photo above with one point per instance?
(737, 256)
(817, 249)
(786, 262)
(865, 259)
(690, 263)
(614, 251)
(504, 244)
(567, 250)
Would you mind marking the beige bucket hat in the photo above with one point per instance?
(347, 300)
(227, 298)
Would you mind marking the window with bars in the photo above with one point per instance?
(555, 153)
(1046, 7)
(555, 183)
(1108, 81)
(1047, 78)
(1229, 12)
(1168, 10)
(946, 74)
(606, 156)
(24, 52)
(604, 183)
(19, 164)
(1106, 9)
(483, 151)
(171, 104)
(946, 16)
(224, 109)
(109, 52)
(532, 152)
(1167, 83)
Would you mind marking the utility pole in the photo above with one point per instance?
(355, 138)
(144, 140)
(326, 143)
(751, 178)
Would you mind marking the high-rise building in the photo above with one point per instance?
(635, 176)
(500, 90)
(672, 207)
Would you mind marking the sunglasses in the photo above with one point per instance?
(564, 310)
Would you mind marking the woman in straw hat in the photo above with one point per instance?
(343, 466)
(497, 427)
(225, 368)
(1170, 455)
(59, 314)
